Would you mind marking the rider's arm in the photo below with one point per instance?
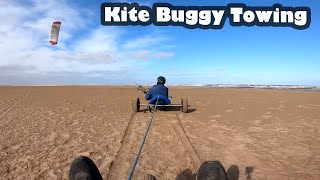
(149, 94)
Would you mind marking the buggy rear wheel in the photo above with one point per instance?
(136, 104)
(184, 103)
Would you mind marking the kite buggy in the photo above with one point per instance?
(158, 98)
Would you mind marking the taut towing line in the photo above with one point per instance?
(153, 108)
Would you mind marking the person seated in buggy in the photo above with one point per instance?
(159, 92)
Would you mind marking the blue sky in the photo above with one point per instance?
(89, 53)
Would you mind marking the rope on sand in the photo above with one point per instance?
(143, 141)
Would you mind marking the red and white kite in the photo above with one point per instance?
(54, 33)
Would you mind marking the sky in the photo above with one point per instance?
(90, 53)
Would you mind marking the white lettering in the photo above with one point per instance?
(276, 16)
(249, 16)
(217, 16)
(236, 14)
(204, 17)
(133, 14)
(301, 18)
(163, 14)
(264, 16)
(178, 16)
(124, 13)
(192, 17)
(144, 15)
(287, 16)
(112, 13)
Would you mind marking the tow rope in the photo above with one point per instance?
(143, 141)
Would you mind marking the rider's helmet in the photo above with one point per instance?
(161, 80)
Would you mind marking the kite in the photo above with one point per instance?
(53, 39)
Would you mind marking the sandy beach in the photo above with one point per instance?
(255, 134)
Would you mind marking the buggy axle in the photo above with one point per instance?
(136, 105)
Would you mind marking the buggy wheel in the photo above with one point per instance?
(136, 104)
(184, 103)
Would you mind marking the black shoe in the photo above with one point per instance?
(83, 168)
(212, 170)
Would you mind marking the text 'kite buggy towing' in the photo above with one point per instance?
(158, 101)
(54, 35)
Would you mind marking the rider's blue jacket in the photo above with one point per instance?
(157, 90)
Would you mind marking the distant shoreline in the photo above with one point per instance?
(218, 86)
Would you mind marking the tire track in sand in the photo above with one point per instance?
(167, 151)
(129, 145)
(177, 126)
(12, 106)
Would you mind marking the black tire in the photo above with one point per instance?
(184, 103)
(136, 104)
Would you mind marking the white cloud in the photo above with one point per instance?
(146, 54)
(160, 55)
(100, 40)
(143, 42)
(82, 48)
